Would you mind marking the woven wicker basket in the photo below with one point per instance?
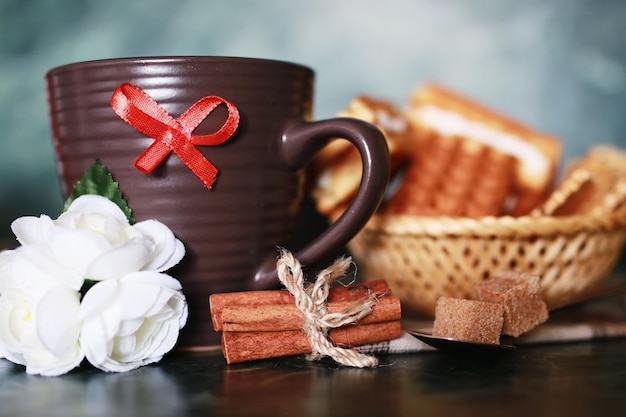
(423, 258)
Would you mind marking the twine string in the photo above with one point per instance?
(311, 298)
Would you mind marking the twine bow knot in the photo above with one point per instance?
(311, 301)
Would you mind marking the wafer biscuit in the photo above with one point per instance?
(438, 111)
(336, 170)
(571, 185)
(452, 176)
(607, 167)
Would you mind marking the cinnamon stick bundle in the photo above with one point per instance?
(276, 317)
(267, 324)
(352, 292)
(247, 346)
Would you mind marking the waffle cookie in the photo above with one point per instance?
(453, 176)
(573, 184)
(433, 110)
(336, 170)
(604, 191)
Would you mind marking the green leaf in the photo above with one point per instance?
(98, 180)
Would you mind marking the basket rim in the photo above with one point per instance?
(492, 226)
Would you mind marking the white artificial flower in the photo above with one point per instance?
(39, 325)
(94, 240)
(130, 317)
(131, 321)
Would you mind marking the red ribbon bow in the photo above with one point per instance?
(142, 112)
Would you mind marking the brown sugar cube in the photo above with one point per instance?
(520, 294)
(469, 320)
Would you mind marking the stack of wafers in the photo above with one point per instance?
(453, 176)
(458, 158)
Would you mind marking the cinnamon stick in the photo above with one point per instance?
(217, 302)
(277, 317)
(247, 346)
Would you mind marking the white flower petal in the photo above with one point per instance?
(179, 305)
(76, 249)
(111, 365)
(165, 340)
(101, 317)
(43, 362)
(168, 251)
(12, 356)
(149, 331)
(124, 346)
(120, 260)
(97, 204)
(6, 269)
(14, 314)
(36, 270)
(158, 279)
(95, 343)
(32, 230)
(137, 299)
(57, 321)
(99, 297)
(130, 326)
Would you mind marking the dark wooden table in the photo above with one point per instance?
(556, 380)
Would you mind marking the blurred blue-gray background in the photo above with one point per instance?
(557, 65)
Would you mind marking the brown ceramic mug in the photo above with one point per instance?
(231, 230)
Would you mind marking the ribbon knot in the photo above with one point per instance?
(142, 112)
(311, 301)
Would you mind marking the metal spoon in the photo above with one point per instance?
(452, 345)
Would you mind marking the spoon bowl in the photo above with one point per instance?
(457, 346)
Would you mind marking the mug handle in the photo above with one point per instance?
(299, 142)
